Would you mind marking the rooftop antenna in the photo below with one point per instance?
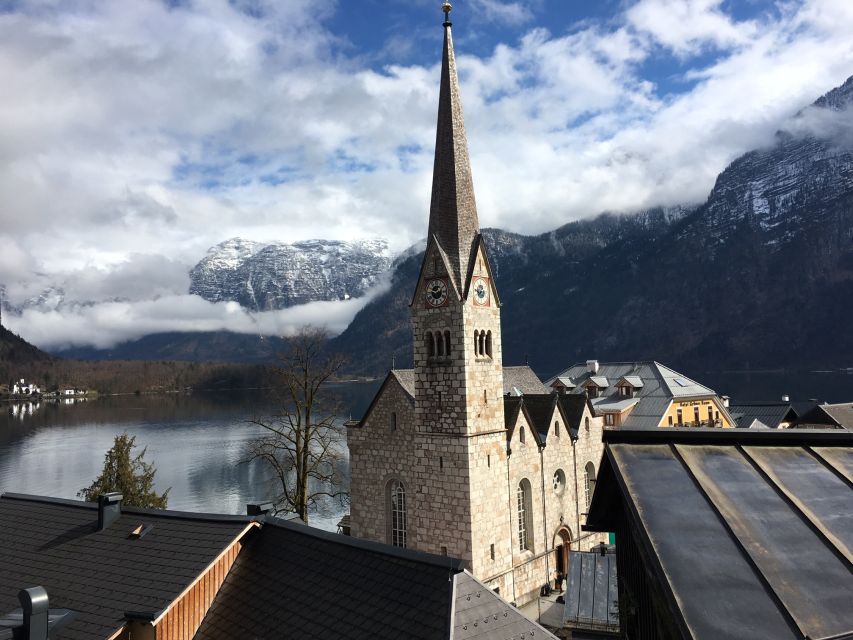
(447, 8)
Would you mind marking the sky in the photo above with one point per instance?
(136, 135)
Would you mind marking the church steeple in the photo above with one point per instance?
(453, 210)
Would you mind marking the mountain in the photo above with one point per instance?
(16, 350)
(211, 346)
(760, 275)
(262, 277)
(18, 357)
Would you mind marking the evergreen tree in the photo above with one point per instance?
(130, 476)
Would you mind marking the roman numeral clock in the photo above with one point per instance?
(436, 292)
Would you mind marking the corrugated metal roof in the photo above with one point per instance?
(600, 381)
(592, 598)
(764, 520)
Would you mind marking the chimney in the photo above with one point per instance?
(725, 400)
(258, 509)
(109, 509)
(786, 398)
(34, 603)
(592, 366)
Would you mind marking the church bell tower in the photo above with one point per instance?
(462, 506)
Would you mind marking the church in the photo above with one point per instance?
(462, 456)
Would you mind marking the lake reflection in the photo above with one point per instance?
(197, 443)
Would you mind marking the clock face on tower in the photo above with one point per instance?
(481, 292)
(436, 292)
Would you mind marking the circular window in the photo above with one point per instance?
(559, 482)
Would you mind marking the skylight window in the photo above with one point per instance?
(681, 382)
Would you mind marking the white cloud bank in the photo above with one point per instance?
(106, 324)
(135, 135)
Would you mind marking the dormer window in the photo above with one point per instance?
(626, 391)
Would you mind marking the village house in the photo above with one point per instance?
(462, 456)
(23, 388)
(84, 571)
(643, 394)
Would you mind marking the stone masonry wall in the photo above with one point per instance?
(378, 454)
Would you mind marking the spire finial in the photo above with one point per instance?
(447, 8)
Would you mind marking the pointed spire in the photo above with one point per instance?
(453, 210)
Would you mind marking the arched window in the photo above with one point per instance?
(439, 341)
(482, 345)
(489, 343)
(447, 343)
(394, 421)
(559, 482)
(557, 428)
(586, 423)
(476, 341)
(397, 513)
(521, 434)
(525, 516)
(430, 344)
(589, 481)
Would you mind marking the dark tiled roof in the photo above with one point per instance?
(512, 405)
(539, 409)
(841, 413)
(102, 574)
(769, 413)
(294, 581)
(524, 379)
(764, 520)
(573, 406)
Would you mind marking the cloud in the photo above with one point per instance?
(513, 13)
(105, 324)
(686, 26)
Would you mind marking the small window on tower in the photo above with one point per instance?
(521, 436)
(489, 343)
(485, 397)
(430, 344)
(394, 421)
(447, 343)
(492, 551)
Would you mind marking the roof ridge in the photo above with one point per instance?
(300, 527)
(128, 510)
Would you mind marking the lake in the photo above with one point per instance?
(198, 442)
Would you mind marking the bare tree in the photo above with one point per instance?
(303, 443)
